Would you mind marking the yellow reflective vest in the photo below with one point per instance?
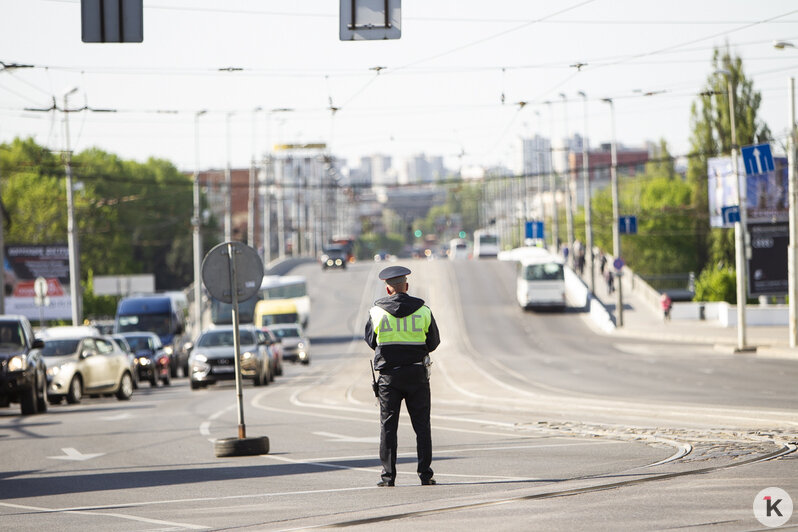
(407, 330)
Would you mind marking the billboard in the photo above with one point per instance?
(23, 265)
(765, 195)
(767, 267)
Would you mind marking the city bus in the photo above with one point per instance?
(273, 287)
(541, 280)
(486, 244)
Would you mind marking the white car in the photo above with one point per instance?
(79, 363)
(296, 346)
(212, 357)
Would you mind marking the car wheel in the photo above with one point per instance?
(279, 371)
(75, 393)
(195, 385)
(167, 379)
(272, 373)
(55, 399)
(172, 370)
(41, 400)
(125, 390)
(153, 380)
(241, 446)
(28, 401)
(306, 361)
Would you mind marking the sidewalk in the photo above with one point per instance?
(640, 320)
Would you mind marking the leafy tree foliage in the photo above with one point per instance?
(711, 136)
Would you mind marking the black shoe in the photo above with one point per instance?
(428, 482)
(385, 484)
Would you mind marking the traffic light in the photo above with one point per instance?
(462, 234)
(418, 233)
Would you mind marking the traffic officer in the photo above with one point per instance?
(402, 332)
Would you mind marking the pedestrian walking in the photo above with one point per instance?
(666, 303)
(402, 332)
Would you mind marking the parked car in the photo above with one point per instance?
(79, 363)
(23, 375)
(212, 357)
(276, 349)
(295, 345)
(132, 359)
(333, 257)
(154, 361)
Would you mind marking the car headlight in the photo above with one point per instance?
(300, 345)
(338, 262)
(199, 357)
(144, 361)
(247, 355)
(52, 371)
(169, 349)
(199, 364)
(18, 363)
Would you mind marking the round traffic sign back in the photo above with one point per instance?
(618, 263)
(216, 271)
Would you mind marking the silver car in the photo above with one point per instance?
(79, 364)
(212, 357)
(296, 346)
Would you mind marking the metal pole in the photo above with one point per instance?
(588, 208)
(616, 233)
(251, 210)
(267, 212)
(197, 236)
(555, 225)
(792, 258)
(739, 227)
(72, 236)
(228, 184)
(242, 430)
(569, 210)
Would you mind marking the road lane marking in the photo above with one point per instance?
(347, 439)
(91, 512)
(70, 453)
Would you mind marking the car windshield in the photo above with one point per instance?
(157, 323)
(224, 339)
(10, 335)
(551, 271)
(138, 343)
(286, 332)
(59, 348)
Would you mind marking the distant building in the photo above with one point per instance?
(533, 156)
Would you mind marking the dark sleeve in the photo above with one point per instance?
(433, 336)
(369, 335)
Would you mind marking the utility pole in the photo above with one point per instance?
(616, 233)
(72, 235)
(197, 226)
(228, 185)
(588, 208)
(569, 211)
(555, 225)
(792, 256)
(252, 183)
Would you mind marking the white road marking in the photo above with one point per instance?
(70, 453)
(89, 511)
(117, 417)
(347, 439)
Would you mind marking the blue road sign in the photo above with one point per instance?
(618, 263)
(730, 214)
(627, 225)
(534, 230)
(758, 159)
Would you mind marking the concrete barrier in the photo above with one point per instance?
(577, 294)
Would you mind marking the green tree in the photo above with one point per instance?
(711, 136)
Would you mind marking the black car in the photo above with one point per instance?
(333, 257)
(23, 375)
(154, 361)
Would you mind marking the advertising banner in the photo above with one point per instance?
(767, 268)
(765, 195)
(23, 264)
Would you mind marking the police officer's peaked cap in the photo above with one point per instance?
(394, 271)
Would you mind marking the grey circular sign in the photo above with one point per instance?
(217, 268)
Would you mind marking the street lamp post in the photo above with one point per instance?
(72, 235)
(569, 210)
(555, 225)
(588, 209)
(228, 184)
(616, 234)
(740, 225)
(792, 255)
(197, 235)
(252, 178)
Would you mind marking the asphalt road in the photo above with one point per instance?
(538, 423)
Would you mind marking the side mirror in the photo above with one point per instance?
(86, 353)
(37, 344)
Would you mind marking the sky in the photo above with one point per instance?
(466, 79)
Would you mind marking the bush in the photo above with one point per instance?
(717, 284)
(370, 244)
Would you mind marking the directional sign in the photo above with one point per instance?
(730, 214)
(627, 225)
(534, 230)
(757, 159)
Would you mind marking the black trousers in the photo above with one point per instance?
(411, 385)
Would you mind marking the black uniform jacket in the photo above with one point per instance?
(387, 357)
